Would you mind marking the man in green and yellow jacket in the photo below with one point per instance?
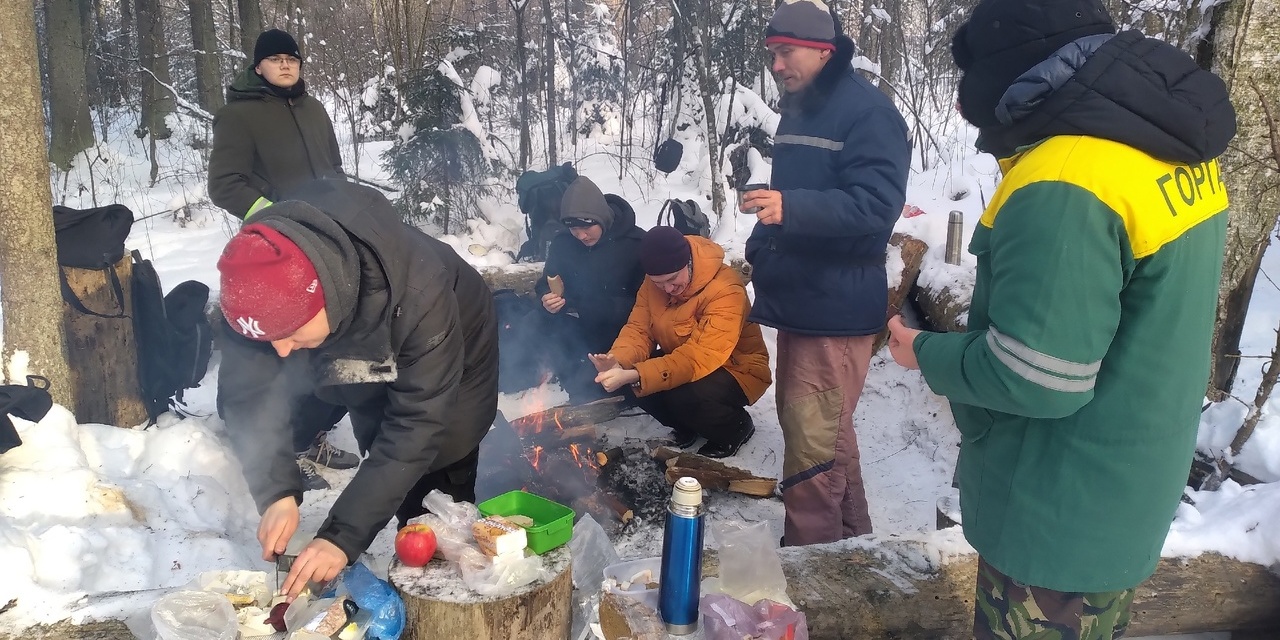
(1077, 387)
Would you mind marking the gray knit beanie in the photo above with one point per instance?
(583, 199)
(806, 23)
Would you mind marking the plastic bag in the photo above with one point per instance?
(194, 615)
(501, 576)
(591, 552)
(750, 569)
(727, 618)
(375, 596)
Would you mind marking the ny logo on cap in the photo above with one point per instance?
(250, 328)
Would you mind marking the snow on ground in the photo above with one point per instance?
(100, 521)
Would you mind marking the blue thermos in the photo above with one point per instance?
(680, 584)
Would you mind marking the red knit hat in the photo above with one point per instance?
(269, 286)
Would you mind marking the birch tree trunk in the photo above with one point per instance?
(29, 292)
(71, 128)
(1242, 49)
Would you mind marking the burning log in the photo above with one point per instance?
(713, 474)
(604, 506)
(570, 416)
(603, 458)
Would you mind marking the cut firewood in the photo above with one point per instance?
(611, 455)
(569, 416)
(713, 474)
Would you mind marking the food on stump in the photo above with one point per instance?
(415, 544)
(497, 536)
(520, 521)
(276, 619)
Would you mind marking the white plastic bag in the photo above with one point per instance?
(194, 615)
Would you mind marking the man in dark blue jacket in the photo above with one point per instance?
(840, 162)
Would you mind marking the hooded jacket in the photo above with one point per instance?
(840, 160)
(699, 331)
(265, 145)
(1077, 388)
(600, 282)
(412, 355)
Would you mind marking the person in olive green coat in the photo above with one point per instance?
(271, 136)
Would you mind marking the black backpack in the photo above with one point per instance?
(539, 194)
(686, 216)
(92, 239)
(173, 335)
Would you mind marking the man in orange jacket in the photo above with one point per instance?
(712, 363)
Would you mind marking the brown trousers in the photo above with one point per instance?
(819, 380)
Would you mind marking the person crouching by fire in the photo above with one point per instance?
(712, 362)
(331, 293)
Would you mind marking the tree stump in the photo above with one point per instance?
(102, 352)
(438, 604)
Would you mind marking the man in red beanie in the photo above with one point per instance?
(332, 294)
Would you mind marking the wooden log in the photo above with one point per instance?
(603, 458)
(569, 416)
(102, 352)
(561, 437)
(438, 604)
(912, 589)
(908, 252)
(943, 310)
(713, 474)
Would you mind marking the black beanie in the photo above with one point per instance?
(272, 42)
(664, 250)
(1003, 39)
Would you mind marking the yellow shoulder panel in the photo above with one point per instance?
(1158, 201)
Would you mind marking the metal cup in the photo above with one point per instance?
(742, 192)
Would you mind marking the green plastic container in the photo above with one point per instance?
(552, 521)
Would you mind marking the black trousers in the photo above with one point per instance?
(457, 480)
(310, 417)
(713, 407)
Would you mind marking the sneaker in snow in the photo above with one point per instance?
(327, 455)
(311, 478)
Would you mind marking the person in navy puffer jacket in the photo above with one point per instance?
(840, 161)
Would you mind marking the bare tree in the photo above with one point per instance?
(549, 79)
(250, 24)
(71, 126)
(522, 64)
(153, 57)
(29, 293)
(204, 42)
(1241, 48)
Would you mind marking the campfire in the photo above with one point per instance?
(553, 453)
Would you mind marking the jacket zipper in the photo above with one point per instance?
(305, 149)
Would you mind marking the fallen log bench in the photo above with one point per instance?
(922, 586)
(438, 604)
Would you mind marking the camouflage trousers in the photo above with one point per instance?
(1005, 609)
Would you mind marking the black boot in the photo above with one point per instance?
(729, 448)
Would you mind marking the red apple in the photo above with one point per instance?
(415, 544)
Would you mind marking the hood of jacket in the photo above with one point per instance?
(248, 85)
(814, 96)
(1128, 88)
(624, 217)
(708, 260)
